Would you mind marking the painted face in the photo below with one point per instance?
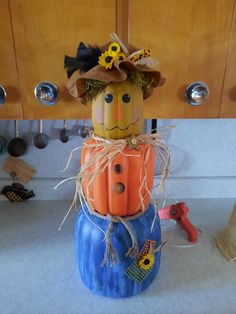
(117, 112)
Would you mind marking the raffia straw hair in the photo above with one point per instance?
(139, 79)
(93, 88)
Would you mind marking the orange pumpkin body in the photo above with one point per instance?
(117, 190)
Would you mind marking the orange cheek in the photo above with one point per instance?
(137, 113)
(98, 114)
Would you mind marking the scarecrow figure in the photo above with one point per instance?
(118, 253)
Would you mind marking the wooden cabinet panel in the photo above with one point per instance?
(190, 40)
(228, 104)
(11, 109)
(44, 32)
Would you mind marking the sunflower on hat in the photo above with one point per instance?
(111, 55)
(106, 60)
(114, 49)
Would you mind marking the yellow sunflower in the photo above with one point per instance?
(121, 56)
(114, 49)
(106, 60)
(147, 261)
(147, 52)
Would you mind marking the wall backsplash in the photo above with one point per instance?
(203, 157)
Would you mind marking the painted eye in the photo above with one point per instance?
(108, 98)
(126, 98)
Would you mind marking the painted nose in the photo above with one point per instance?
(117, 113)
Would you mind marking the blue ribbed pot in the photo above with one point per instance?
(111, 280)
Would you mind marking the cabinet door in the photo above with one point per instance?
(11, 109)
(190, 40)
(46, 30)
(228, 104)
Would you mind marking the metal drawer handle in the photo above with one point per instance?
(46, 93)
(197, 93)
(3, 95)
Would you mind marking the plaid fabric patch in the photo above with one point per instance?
(134, 271)
(13, 197)
(146, 248)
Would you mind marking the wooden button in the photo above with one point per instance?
(118, 168)
(119, 187)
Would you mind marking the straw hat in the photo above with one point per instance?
(112, 62)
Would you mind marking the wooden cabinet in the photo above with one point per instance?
(228, 103)
(190, 40)
(8, 72)
(46, 30)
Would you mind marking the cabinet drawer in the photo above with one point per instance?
(44, 32)
(11, 109)
(190, 40)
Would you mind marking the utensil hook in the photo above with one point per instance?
(17, 128)
(64, 124)
(40, 126)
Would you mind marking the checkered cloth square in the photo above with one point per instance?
(134, 271)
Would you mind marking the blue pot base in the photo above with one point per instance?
(112, 280)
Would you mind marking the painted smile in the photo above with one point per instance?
(117, 126)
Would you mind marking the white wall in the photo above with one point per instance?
(203, 158)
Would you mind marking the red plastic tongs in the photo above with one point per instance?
(179, 212)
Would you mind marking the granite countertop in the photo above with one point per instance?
(38, 268)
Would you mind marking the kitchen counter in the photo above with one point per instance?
(38, 268)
